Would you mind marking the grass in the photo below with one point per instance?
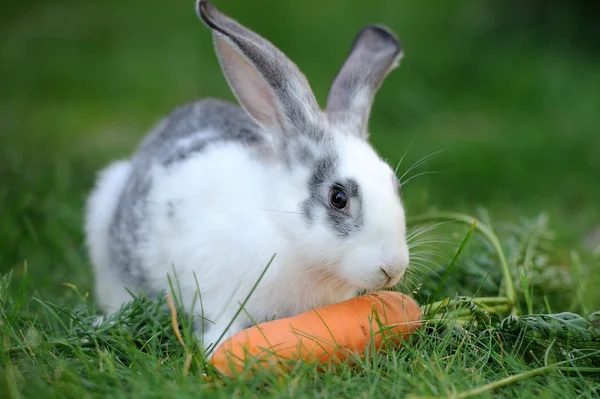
(508, 107)
(470, 346)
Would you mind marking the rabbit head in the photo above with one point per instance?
(351, 217)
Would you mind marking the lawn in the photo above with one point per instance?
(495, 104)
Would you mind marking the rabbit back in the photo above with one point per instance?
(119, 223)
(189, 129)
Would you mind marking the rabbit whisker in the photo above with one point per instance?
(403, 155)
(405, 182)
(420, 162)
(425, 229)
(282, 211)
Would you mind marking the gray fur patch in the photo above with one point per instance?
(339, 223)
(304, 155)
(178, 155)
(126, 230)
(184, 132)
(356, 196)
(396, 183)
(170, 210)
(319, 184)
(343, 223)
(323, 172)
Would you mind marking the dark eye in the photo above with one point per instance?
(337, 198)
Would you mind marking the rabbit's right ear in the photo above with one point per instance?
(266, 83)
(374, 53)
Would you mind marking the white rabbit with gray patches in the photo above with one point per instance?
(217, 190)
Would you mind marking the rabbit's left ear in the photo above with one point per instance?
(267, 84)
(374, 53)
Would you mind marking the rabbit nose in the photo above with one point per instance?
(394, 270)
(389, 276)
(386, 273)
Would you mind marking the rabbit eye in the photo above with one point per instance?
(337, 198)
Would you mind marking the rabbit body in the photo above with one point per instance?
(216, 191)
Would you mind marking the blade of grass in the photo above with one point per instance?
(455, 259)
(578, 278)
(175, 325)
(529, 374)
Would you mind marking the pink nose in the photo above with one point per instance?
(395, 269)
(386, 274)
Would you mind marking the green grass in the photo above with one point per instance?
(469, 346)
(513, 104)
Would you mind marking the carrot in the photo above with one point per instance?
(329, 333)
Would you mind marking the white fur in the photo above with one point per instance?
(100, 209)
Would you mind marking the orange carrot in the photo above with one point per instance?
(329, 333)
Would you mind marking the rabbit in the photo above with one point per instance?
(219, 194)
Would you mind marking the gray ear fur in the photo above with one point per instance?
(266, 83)
(374, 54)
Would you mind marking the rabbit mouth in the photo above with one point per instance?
(387, 282)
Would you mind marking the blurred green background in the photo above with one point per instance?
(509, 90)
